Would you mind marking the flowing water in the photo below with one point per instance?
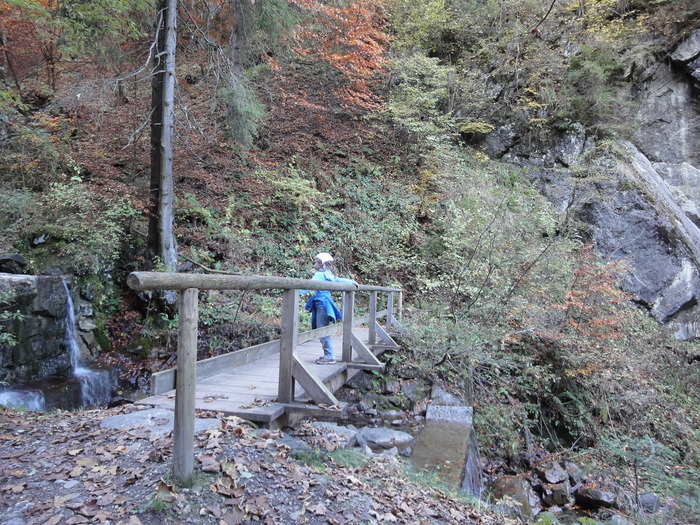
(87, 387)
(33, 400)
(96, 384)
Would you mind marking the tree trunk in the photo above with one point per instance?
(161, 240)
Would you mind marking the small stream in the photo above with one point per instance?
(87, 387)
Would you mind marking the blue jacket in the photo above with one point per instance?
(324, 296)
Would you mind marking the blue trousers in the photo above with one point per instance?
(320, 319)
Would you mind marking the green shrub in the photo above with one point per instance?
(71, 226)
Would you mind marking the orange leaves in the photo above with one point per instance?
(350, 39)
(591, 306)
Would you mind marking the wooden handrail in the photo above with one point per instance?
(182, 281)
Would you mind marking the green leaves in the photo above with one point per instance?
(69, 224)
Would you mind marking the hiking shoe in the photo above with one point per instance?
(325, 361)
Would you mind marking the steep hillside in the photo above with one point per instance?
(415, 142)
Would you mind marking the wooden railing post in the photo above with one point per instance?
(288, 341)
(183, 428)
(389, 311)
(372, 337)
(348, 313)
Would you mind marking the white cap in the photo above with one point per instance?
(324, 257)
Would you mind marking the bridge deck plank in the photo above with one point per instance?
(250, 390)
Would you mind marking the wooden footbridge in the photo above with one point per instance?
(273, 383)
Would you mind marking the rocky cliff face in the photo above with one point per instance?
(645, 207)
(40, 332)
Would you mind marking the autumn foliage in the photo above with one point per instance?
(351, 38)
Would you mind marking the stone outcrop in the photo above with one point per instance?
(40, 350)
(645, 209)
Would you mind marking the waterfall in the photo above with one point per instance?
(473, 481)
(95, 385)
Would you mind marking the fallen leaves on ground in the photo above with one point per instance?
(62, 467)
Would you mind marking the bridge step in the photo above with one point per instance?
(366, 366)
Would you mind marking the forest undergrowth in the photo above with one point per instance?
(370, 148)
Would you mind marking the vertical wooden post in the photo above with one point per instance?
(389, 311)
(348, 313)
(372, 339)
(183, 432)
(288, 342)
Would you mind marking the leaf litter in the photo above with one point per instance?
(62, 467)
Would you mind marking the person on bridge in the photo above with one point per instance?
(323, 310)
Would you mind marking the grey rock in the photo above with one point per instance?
(157, 421)
(688, 49)
(297, 447)
(12, 263)
(391, 414)
(518, 489)
(415, 390)
(363, 381)
(618, 519)
(649, 502)
(595, 498)
(553, 473)
(385, 438)
(557, 494)
(568, 149)
(392, 387)
(576, 475)
(393, 452)
(348, 436)
(86, 325)
(456, 414)
(440, 396)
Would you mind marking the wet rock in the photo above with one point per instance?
(391, 414)
(40, 332)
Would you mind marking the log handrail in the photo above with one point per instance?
(143, 281)
(290, 366)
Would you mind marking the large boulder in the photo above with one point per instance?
(40, 331)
